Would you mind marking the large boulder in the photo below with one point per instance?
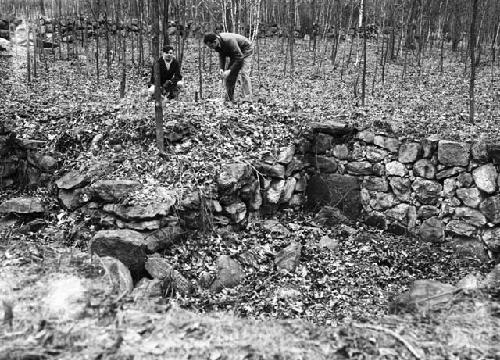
(128, 246)
(140, 212)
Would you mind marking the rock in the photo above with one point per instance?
(273, 194)
(159, 268)
(322, 143)
(356, 152)
(424, 168)
(237, 212)
(73, 199)
(342, 191)
(465, 180)
(230, 175)
(429, 146)
(395, 168)
(146, 225)
(409, 152)
(460, 228)
(375, 154)
(140, 212)
(432, 230)
(471, 216)
(72, 180)
(392, 144)
(382, 201)
(375, 183)
(328, 243)
(448, 173)
(294, 167)
(22, 205)
(330, 216)
(128, 246)
(366, 135)
(494, 152)
(205, 279)
(469, 249)
(359, 168)
(401, 187)
(486, 177)
(334, 128)
(297, 200)
(379, 169)
(67, 298)
(287, 293)
(286, 155)
(427, 191)
(427, 211)
(492, 280)
(341, 152)
(114, 190)
(449, 187)
(491, 238)
(229, 274)
(469, 282)
(398, 213)
(470, 196)
(147, 290)
(490, 207)
(275, 228)
(47, 163)
(301, 184)
(424, 294)
(288, 190)
(452, 153)
(118, 274)
(376, 220)
(480, 151)
(164, 238)
(274, 171)
(325, 164)
(289, 257)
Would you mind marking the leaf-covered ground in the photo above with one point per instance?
(82, 122)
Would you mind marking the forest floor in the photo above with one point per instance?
(337, 302)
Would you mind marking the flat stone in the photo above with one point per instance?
(114, 190)
(453, 153)
(470, 196)
(409, 152)
(275, 171)
(128, 246)
(140, 212)
(486, 177)
(461, 228)
(72, 180)
(427, 211)
(470, 216)
(432, 230)
(359, 168)
(448, 173)
(73, 199)
(424, 168)
(395, 168)
(333, 128)
(146, 225)
(427, 191)
(22, 205)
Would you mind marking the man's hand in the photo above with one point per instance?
(224, 74)
(167, 83)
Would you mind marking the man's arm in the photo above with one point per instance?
(176, 69)
(235, 54)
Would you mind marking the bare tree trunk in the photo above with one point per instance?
(472, 45)
(157, 95)
(291, 34)
(363, 82)
(28, 55)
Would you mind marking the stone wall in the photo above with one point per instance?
(435, 188)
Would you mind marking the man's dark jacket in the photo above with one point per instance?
(173, 74)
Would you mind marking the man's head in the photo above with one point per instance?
(211, 40)
(167, 52)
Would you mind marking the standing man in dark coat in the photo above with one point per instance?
(170, 72)
(239, 50)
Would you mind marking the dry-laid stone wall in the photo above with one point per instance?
(432, 187)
